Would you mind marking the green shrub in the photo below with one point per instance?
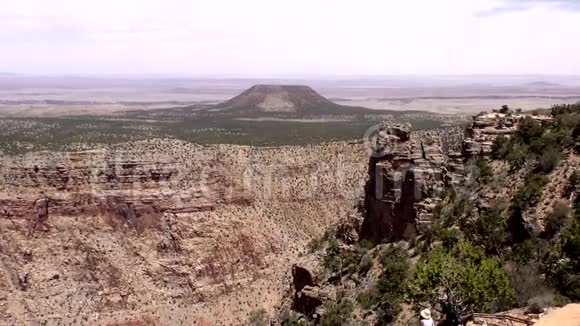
(259, 318)
(337, 313)
(529, 193)
(551, 140)
(529, 130)
(449, 211)
(391, 284)
(569, 284)
(529, 285)
(475, 280)
(485, 171)
(367, 298)
(535, 308)
(526, 196)
(499, 148)
(571, 241)
(290, 318)
(317, 243)
(563, 267)
(534, 143)
(517, 156)
(576, 132)
(450, 236)
(556, 220)
(562, 109)
(346, 259)
(395, 270)
(366, 263)
(332, 259)
(529, 251)
(550, 159)
(386, 295)
(489, 230)
(573, 182)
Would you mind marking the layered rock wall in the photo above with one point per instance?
(164, 232)
(407, 176)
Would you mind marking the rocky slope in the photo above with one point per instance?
(416, 190)
(163, 231)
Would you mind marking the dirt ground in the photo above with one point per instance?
(566, 316)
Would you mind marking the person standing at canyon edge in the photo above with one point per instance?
(426, 319)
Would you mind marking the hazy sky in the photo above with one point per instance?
(297, 37)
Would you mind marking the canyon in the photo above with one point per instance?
(164, 231)
(169, 232)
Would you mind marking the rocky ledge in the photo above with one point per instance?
(486, 127)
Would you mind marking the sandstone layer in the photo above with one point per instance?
(164, 232)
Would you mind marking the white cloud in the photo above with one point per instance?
(508, 6)
(288, 37)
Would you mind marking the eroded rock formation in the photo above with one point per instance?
(407, 175)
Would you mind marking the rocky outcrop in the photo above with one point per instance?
(407, 176)
(486, 127)
(409, 171)
(309, 290)
(479, 137)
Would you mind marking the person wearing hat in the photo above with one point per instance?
(426, 319)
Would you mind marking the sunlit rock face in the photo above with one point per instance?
(164, 232)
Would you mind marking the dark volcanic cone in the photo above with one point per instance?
(289, 99)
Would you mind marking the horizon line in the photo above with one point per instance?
(271, 76)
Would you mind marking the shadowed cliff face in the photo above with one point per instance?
(407, 175)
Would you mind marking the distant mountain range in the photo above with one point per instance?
(543, 84)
